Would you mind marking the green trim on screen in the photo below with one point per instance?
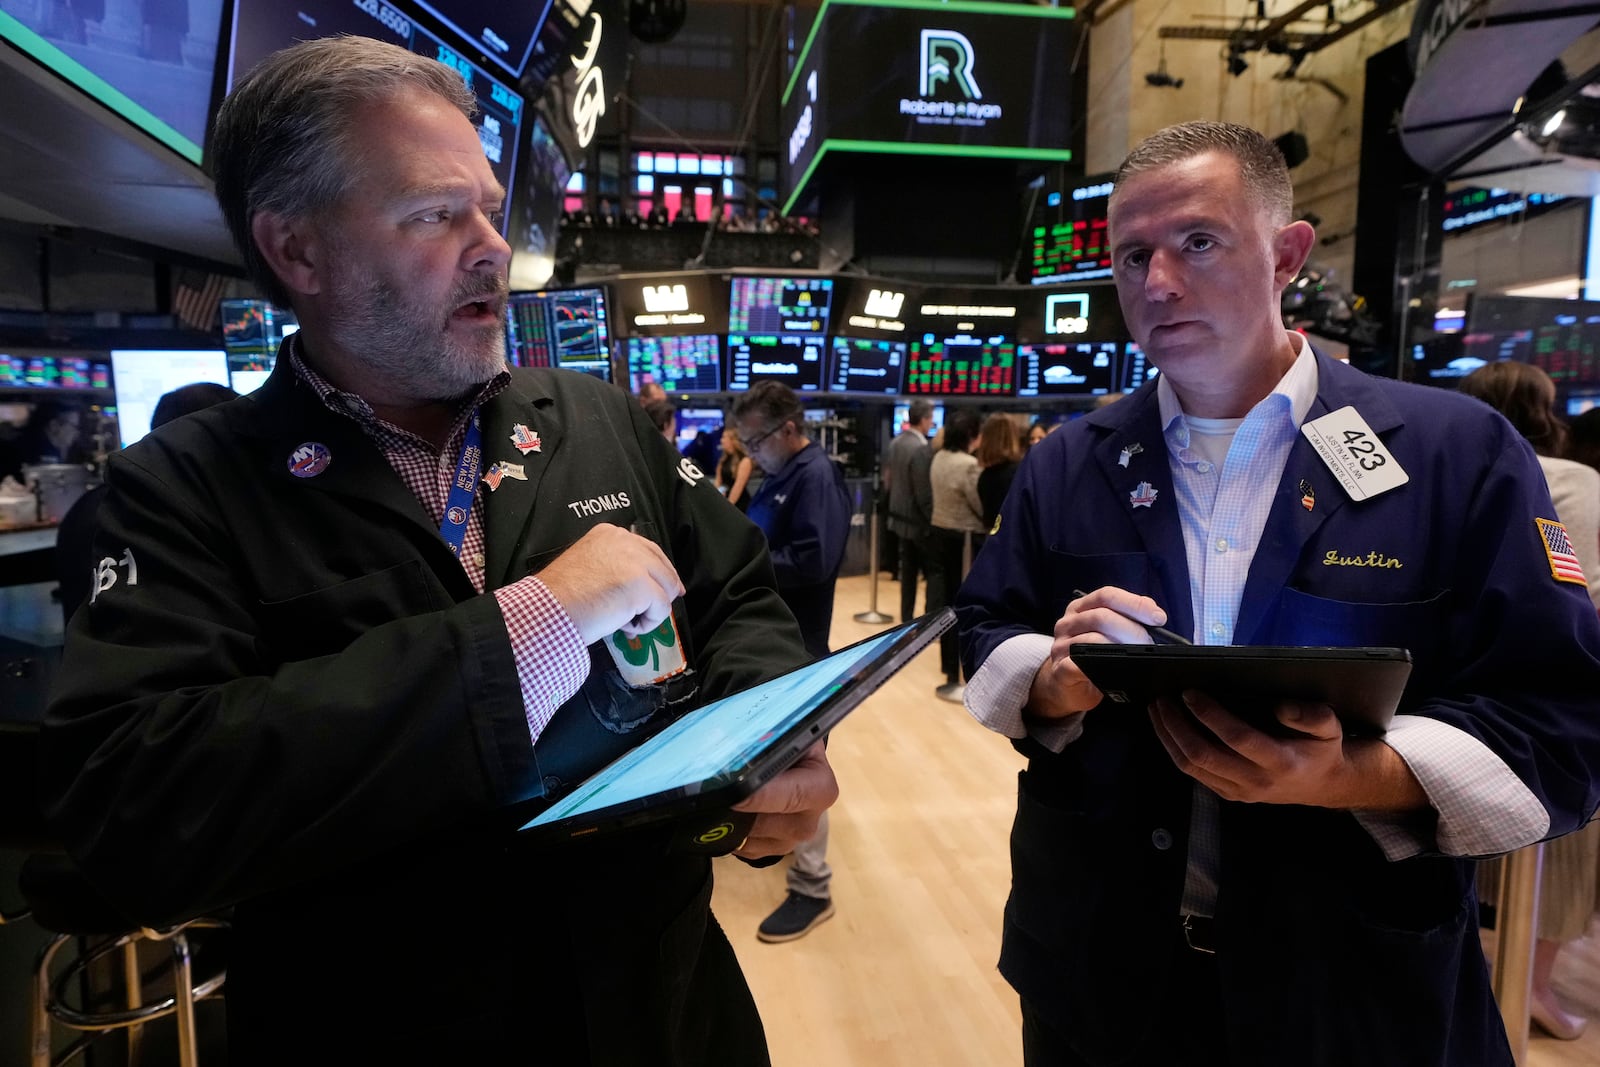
(975, 7)
(901, 148)
(91, 84)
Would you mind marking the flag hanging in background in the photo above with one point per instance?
(196, 298)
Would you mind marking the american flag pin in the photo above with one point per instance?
(1308, 498)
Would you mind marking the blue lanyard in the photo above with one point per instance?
(458, 507)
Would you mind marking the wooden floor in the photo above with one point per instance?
(905, 972)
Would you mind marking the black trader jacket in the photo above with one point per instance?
(292, 701)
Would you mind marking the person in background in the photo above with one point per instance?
(957, 525)
(76, 563)
(1039, 431)
(804, 510)
(651, 392)
(664, 417)
(53, 434)
(1189, 888)
(368, 620)
(733, 470)
(1583, 438)
(999, 455)
(911, 506)
(1526, 396)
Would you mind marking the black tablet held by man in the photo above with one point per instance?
(1362, 685)
(695, 770)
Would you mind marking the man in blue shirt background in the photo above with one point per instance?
(804, 509)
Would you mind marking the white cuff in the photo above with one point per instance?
(996, 695)
(1484, 808)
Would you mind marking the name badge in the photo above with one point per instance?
(1354, 454)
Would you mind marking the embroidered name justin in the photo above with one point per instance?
(1371, 559)
(597, 504)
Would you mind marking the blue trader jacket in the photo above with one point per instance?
(1329, 953)
(804, 510)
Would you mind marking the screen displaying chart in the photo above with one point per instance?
(691, 364)
(961, 365)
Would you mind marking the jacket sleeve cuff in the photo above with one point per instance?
(1483, 808)
(997, 694)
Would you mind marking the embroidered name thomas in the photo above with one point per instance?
(599, 505)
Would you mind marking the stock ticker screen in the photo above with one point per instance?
(688, 364)
(1560, 337)
(793, 359)
(1070, 242)
(961, 365)
(780, 305)
(563, 328)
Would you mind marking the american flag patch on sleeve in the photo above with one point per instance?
(1564, 565)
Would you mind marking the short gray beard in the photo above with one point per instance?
(407, 348)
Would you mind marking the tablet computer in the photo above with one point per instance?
(693, 771)
(1363, 685)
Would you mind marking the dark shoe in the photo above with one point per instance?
(795, 918)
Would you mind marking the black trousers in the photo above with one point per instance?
(949, 550)
(1186, 1034)
(917, 558)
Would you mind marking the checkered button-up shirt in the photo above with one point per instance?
(549, 652)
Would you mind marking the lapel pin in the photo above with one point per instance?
(309, 460)
(492, 476)
(525, 439)
(1308, 498)
(1143, 495)
(1128, 453)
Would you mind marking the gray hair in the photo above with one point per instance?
(281, 140)
(773, 403)
(921, 408)
(1261, 165)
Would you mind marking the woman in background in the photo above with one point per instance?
(733, 470)
(999, 455)
(957, 518)
(1526, 396)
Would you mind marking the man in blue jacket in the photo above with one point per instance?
(804, 509)
(1187, 888)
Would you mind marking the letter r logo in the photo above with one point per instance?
(947, 56)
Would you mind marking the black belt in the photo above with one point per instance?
(1199, 932)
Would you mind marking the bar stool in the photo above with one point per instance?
(63, 903)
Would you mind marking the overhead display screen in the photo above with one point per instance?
(780, 305)
(793, 359)
(859, 365)
(1086, 369)
(562, 328)
(875, 307)
(666, 305)
(1070, 242)
(1070, 313)
(1136, 369)
(1560, 337)
(961, 365)
(679, 364)
(261, 27)
(957, 78)
(504, 32)
(153, 65)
